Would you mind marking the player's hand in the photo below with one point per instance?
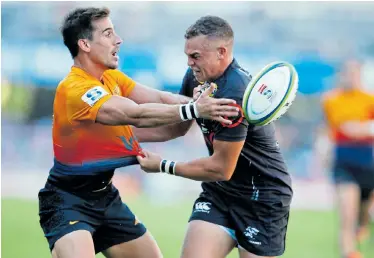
(197, 91)
(149, 162)
(215, 109)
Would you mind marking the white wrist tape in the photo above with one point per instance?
(188, 111)
(168, 166)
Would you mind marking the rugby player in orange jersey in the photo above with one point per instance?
(81, 212)
(349, 112)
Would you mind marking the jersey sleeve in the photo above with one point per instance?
(124, 82)
(234, 90)
(84, 100)
(233, 134)
(235, 87)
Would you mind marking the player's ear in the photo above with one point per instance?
(84, 45)
(221, 52)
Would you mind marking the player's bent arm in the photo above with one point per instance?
(218, 167)
(162, 133)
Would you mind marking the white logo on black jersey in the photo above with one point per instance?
(202, 207)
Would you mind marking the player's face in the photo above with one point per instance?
(105, 44)
(203, 58)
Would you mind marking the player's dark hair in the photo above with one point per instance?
(211, 26)
(78, 25)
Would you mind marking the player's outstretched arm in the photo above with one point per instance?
(218, 167)
(122, 111)
(167, 132)
(143, 94)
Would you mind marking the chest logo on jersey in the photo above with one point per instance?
(116, 91)
(206, 85)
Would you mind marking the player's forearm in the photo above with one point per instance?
(121, 111)
(162, 133)
(205, 169)
(170, 98)
(153, 115)
(166, 132)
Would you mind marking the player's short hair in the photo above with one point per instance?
(78, 25)
(211, 26)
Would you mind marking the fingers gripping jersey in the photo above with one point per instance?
(80, 145)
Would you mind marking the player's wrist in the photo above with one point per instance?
(168, 166)
(188, 111)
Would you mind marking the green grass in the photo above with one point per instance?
(310, 234)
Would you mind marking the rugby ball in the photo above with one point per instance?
(270, 93)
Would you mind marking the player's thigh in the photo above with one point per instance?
(261, 225)
(209, 220)
(206, 240)
(142, 247)
(77, 244)
(245, 254)
(122, 234)
(62, 214)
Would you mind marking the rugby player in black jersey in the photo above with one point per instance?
(246, 189)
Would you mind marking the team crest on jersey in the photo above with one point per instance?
(215, 89)
(116, 91)
(206, 86)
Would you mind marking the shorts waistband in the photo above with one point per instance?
(82, 183)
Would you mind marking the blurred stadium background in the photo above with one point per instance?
(315, 36)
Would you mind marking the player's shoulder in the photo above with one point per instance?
(237, 76)
(114, 73)
(75, 83)
(234, 82)
(365, 94)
